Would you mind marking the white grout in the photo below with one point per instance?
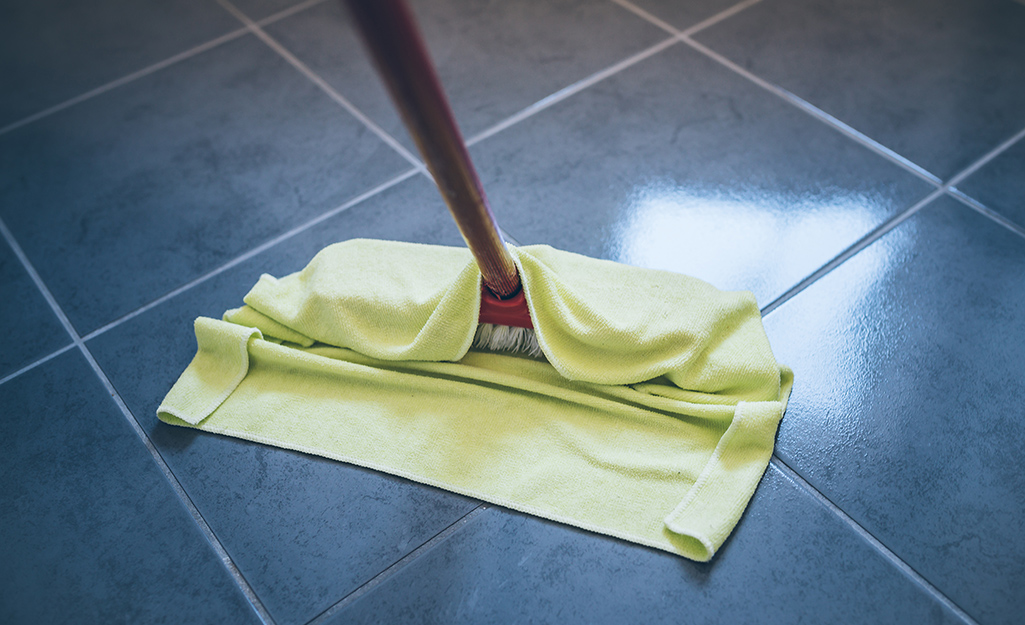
(207, 532)
(648, 17)
(253, 252)
(819, 114)
(397, 566)
(946, 188)
(566, 92)
(986, 211)
(322, 84)
(146, 71)
(807, 107)
(715, 19)
(35, 364)
(992, 154)
(797, 480)
(843, 128)
(866, 240)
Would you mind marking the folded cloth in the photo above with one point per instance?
(651, 418)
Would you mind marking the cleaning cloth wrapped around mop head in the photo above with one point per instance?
(651, 418)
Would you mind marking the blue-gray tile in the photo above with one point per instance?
(1000, 184)
(939, 82)
(52, 51)
(122, 198)
(683, 15)
(789, 561)
(33, 329)
(908, 410)
(493, 58)
(678, 164)
(90, 530)
(257, 10)
(305, 531)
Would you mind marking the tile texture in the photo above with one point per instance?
(684, 15)
(135, 192)
(908, 414)
(788, 558)
(494, 58)
(25, 317)
(90, 530)
(895, 496)
(51, 51)
(939, 82)
(678, 164)
(1000, 184)
(305, 531)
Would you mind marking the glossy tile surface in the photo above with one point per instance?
(787, 559)
(25, 316)
(494, 59)
(52, 51)
(133, 193)
(90, 530)
(1000, 184)
(909, 412)
(896, 494)
(678, 164)
(305, 531)
(939, 82)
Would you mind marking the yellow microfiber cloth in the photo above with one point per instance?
(651, 418)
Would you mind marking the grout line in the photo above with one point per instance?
(253, 252)
(638, 11)
(146, 71)
(986, 211)
(819, 114)
(400, 564)
(35, 364)
(566, 92)
(868, 239)
(322, 84)
(289, 12)
(508, 237)
(992, 154)
(788, 472)
(176, 486)
(807, 107)
(946, 188)
(715, 19)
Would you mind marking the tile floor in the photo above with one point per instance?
(858, 165)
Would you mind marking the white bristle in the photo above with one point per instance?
(507, 339)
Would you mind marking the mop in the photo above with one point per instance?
(635, 403)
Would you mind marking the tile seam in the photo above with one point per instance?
(685, 36)
(36, 363)
(322, 84)
(204, 528)
(916, 578)
(877, 233)
(986, 211)
(816, 113)
(850, 251)
(153, 68)
(392, 569)
(570, 90)
(255, 251)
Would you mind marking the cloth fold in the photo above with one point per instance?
(651, 418)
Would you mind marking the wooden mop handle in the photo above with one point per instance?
(390, 33)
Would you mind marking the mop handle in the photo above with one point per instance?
(391, 35)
